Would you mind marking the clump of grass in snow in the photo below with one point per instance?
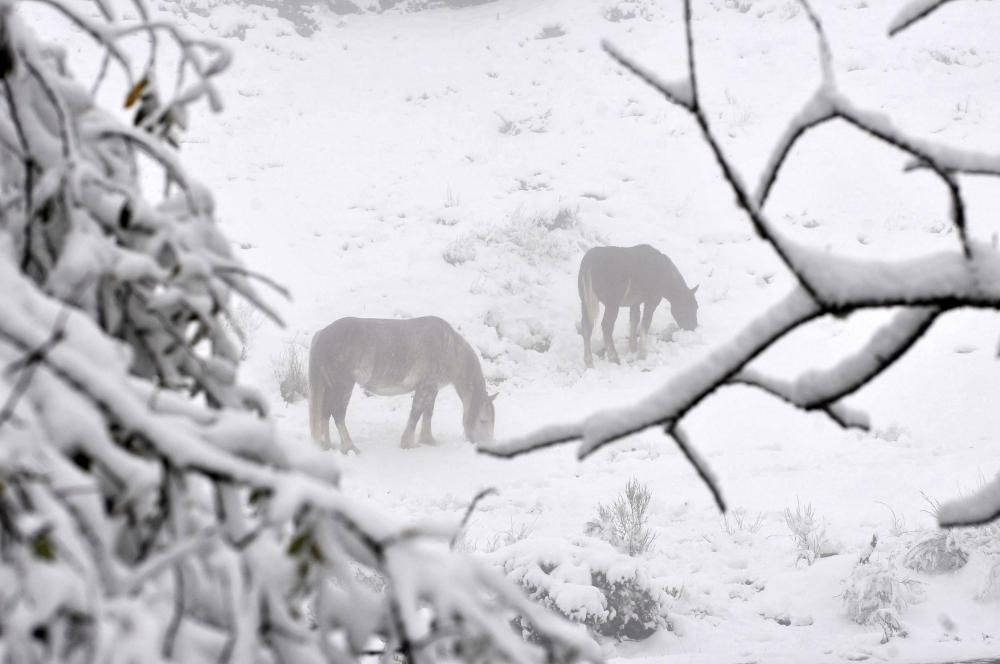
(289, 370)
(809, 534)
(623, 523)
(738, 521)
(626, 10)
(513, 534)
(537, 123)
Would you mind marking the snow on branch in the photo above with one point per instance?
(925, 287)
(912, 12)
(148, 509)
(982, 506)
(822, 389)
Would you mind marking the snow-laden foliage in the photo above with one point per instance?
(588, 582)
(921, 290)
(290, 373)
(809, 534)
(937, 553)
(876, 593)
(148, 511)
(623, 523)
(991, 589)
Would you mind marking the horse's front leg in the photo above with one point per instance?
(648, 309)
(416, 410)
(633, 326)
(608, 328)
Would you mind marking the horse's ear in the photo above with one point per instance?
(695, 289)
(493, 397)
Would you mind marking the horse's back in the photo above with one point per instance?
(621, 273)
(385, 355)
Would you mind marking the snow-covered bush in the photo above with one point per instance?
(528, 333)
(148, 510)
(876, 594)
(935, 554)
(623, 523)
(809, 534)
(540, 238)
(289, 370)
(590, 583)
(244, 321)
(991, 589)
(462, 250)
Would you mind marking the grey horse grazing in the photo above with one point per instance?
(389, 357)
(630, 277)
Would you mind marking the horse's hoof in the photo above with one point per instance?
(348, 450)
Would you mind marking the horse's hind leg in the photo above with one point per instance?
(633, 326)
(647, 319)
(338, 397)
(608, 328)
(587, 330)
(426, 437)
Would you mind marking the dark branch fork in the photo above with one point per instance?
(815, 294)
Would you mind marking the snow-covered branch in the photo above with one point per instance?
(925, 287)
(912, 12)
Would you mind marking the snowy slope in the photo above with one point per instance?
(351, 164)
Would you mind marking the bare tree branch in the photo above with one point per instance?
(912, 12)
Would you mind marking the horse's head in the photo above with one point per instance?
(684, 308)
(478, 420)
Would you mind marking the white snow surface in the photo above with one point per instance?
(348, 162)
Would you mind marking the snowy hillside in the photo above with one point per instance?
(458, 162)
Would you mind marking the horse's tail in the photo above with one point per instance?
(589, 303)
(318, 412)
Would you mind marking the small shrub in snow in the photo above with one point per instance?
(565, 218)
(551, 31)
(738, 521)
(627, 10)
(528, 333)
(991, 590)
(537, 123)
(876, 594)
(290, 372)
(936, 554)
(244, 321)
(809, 535)
(611, 594)
(623, 523)
(512, 535)
(460, 251)
(541, 239)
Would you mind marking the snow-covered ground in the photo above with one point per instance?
(405, 164)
